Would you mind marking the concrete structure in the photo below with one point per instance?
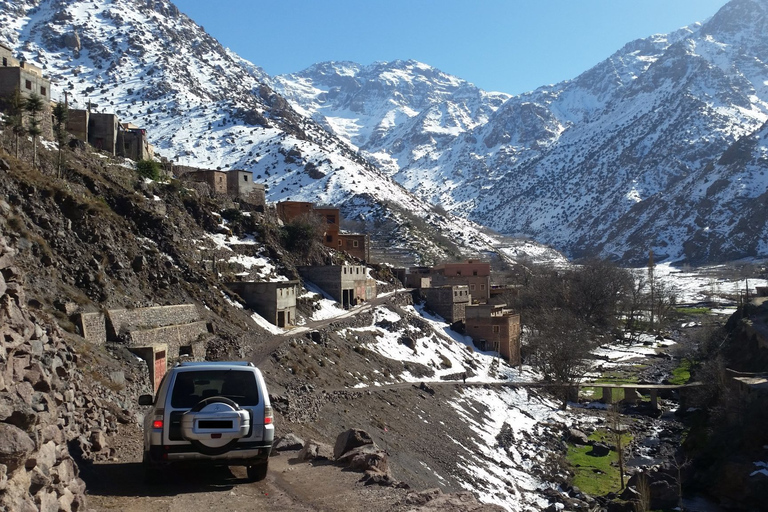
(450, 302)
(216, 180)
(347, 284)
(414, 277)
(156, 357)
(747, 383)
(493, 327)
(159, 334)
(290, 210)
(25, 77)
(475, 274)
(77, 124)
(274, 301)
(356, 245)
(132, 143)
(28, 79)
(102, 132)
(240, 183)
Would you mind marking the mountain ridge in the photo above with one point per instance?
(567, 163)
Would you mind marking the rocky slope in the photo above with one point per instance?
(59, 403)
(660, 146)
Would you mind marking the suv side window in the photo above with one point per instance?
(192, 386)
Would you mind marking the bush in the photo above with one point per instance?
(148, 169)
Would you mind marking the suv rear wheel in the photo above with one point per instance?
(258, 472)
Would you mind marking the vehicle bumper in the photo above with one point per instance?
(246, 455)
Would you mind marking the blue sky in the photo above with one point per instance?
(510, 46)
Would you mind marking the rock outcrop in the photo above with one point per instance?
(47, 405)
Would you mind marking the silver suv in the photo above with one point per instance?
(212, 412)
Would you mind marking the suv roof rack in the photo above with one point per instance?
(214, 363)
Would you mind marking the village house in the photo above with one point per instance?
(216, 180)
(355, 244)
(274, 301)
(347, 284)
(493, 327)
(28, 79)
(132, 143)
(450, 302)
(25, 77)
(475, 274)
(414, 277)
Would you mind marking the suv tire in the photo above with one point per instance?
(258, 472)
(200, 407)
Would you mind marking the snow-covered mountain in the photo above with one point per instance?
(661, 146)
(204, 106)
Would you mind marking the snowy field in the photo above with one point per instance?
(704, 284)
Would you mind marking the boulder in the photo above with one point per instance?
(599, 450)
(15, 446)
(315, 450)
(365, 458)
(349, 439)
(576, 436)
(289, 441)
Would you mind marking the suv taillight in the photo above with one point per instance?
(267, 414)
(157, 421)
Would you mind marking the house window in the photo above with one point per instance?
(354, 243)
(495, 328)
(42, 91)
(339, 243)
(458, 272)
(5, 62)
(329, 238)
(472, 287)
(482, 287)
(245, 177)
(474, 272)
(28, 84)
(331, 219)
(357, 270)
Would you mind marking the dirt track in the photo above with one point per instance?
(290, 485)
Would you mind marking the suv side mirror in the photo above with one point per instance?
(146, 400)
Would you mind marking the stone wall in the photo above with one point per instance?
(121, 320)
(175, 336)
(46, 403)
(93, 327)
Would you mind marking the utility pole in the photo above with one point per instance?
(652, 284)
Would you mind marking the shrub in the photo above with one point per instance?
(148, 169)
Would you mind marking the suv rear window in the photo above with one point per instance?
(192, 386)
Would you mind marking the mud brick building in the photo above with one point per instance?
(355, 244)
(28, 79)
(450, 302)
(25, 77)
(347, 284)
(132, 143)
(274, 301)
(475, 274)
(493, 327)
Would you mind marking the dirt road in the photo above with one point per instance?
(290, 485)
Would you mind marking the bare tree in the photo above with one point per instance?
(617, 431)
(559, 346)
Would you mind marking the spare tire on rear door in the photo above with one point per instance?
(215, 424)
